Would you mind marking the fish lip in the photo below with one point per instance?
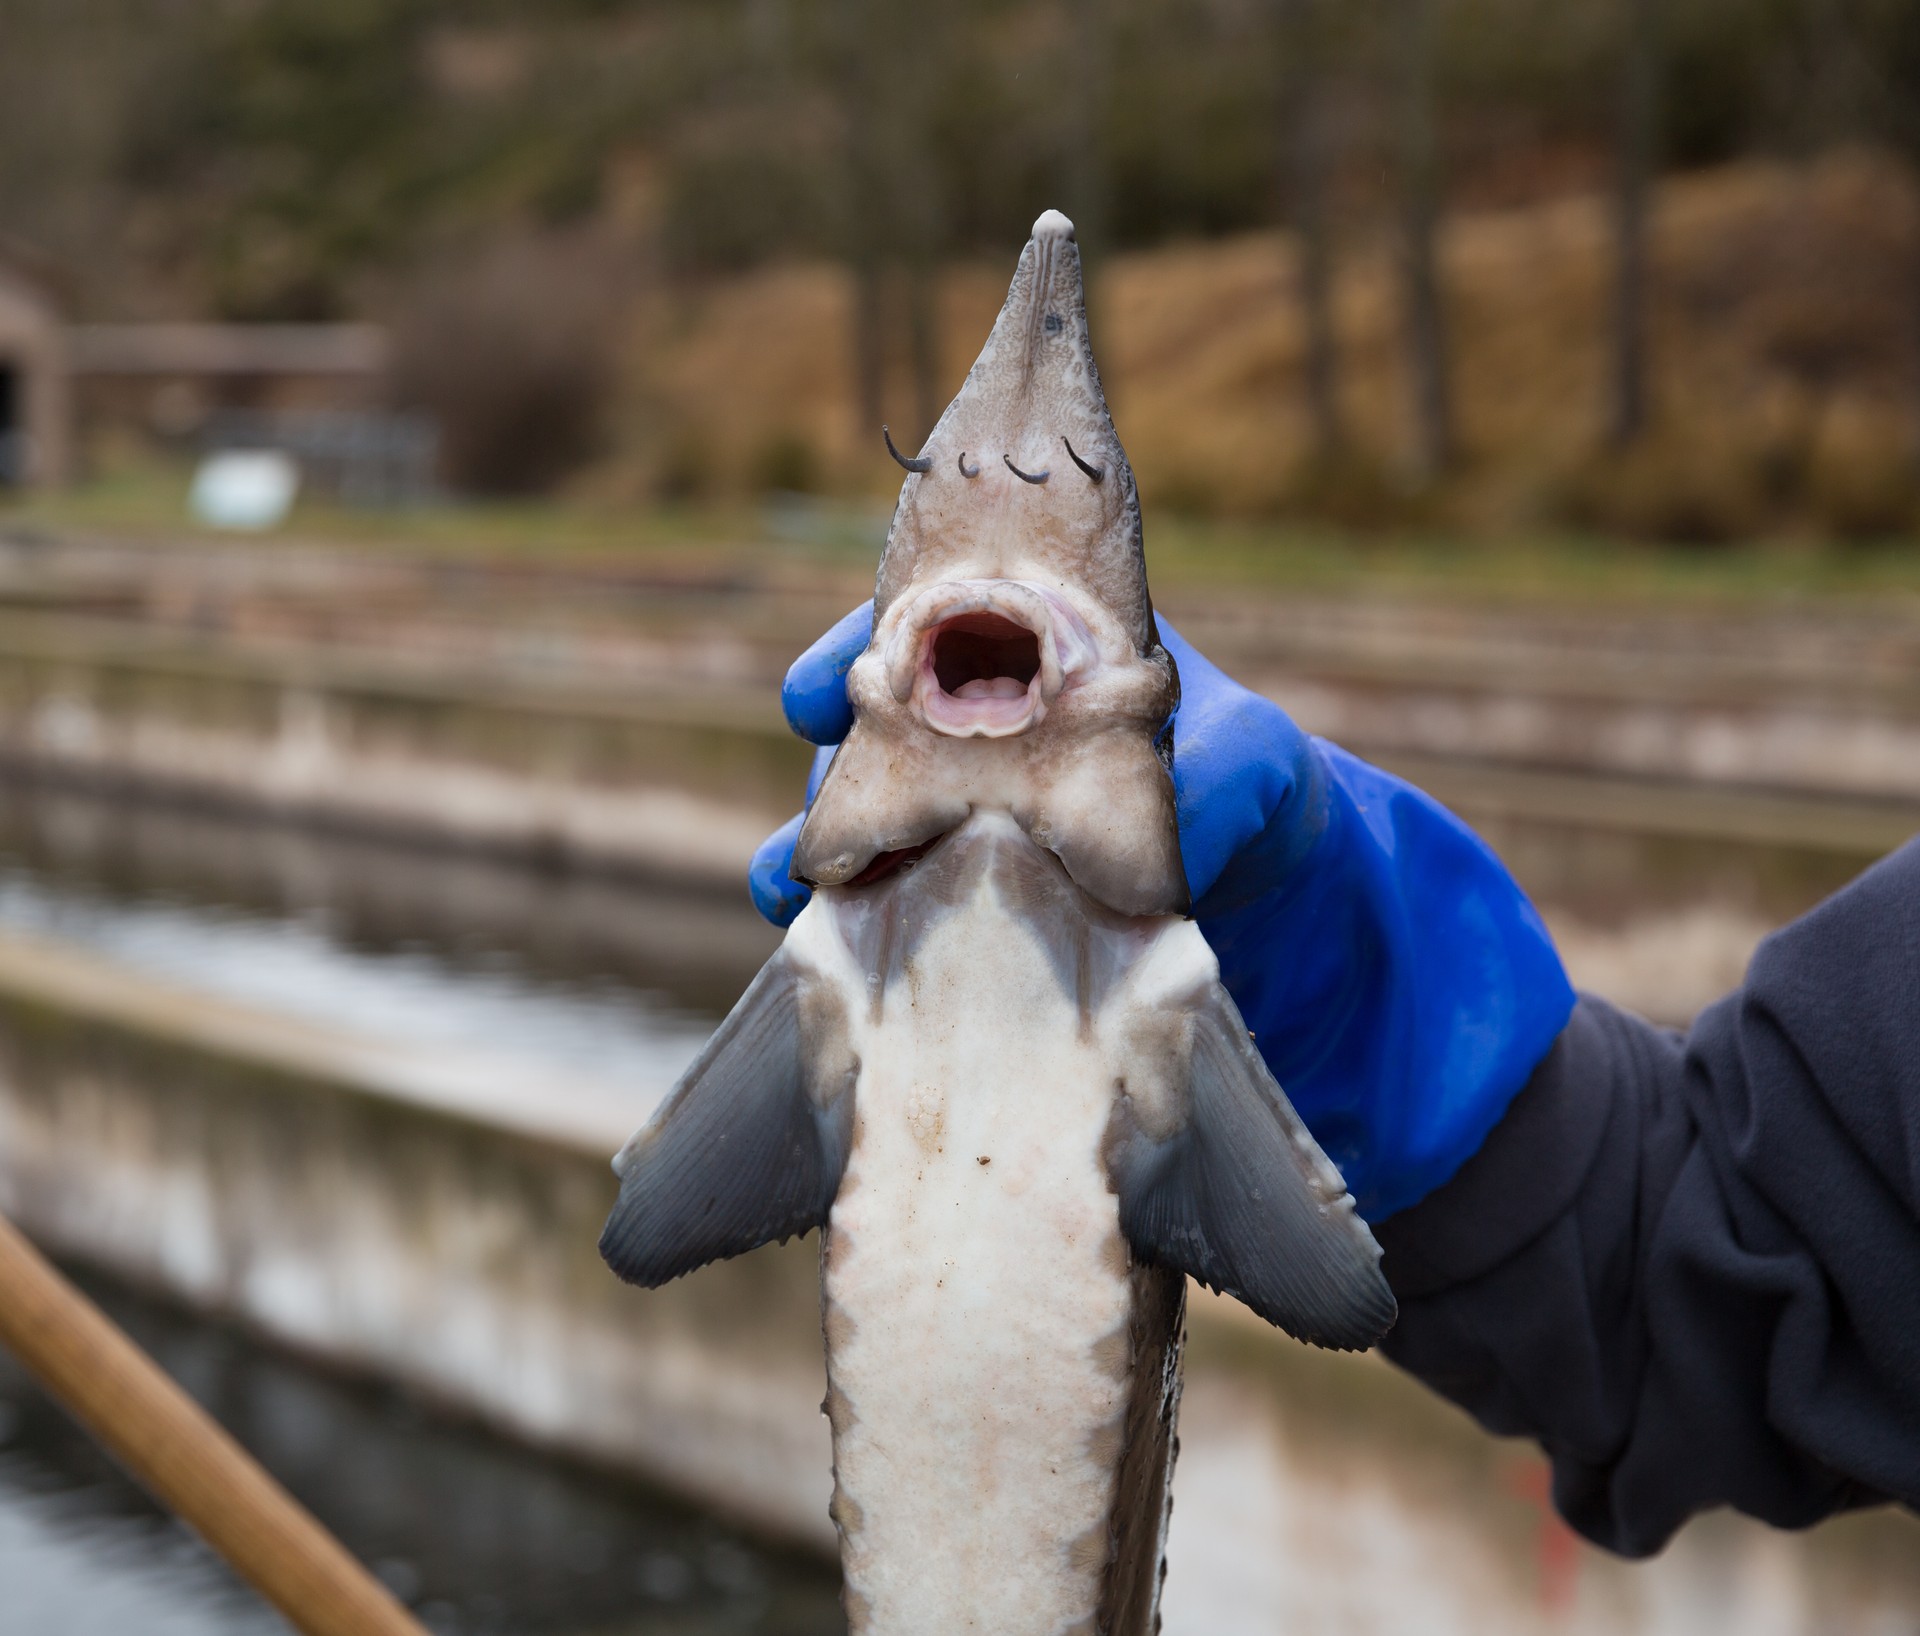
(1067, 649)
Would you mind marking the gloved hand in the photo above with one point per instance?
(1396, 979)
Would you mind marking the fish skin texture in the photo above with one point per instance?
(992, 1060)
(978, 1450)
(1049, 1115)
(1084, 778)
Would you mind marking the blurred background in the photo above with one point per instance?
(427, 433)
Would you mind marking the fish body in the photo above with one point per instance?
(994, 1352)
(993, 1060)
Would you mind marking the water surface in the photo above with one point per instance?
(481, 1537)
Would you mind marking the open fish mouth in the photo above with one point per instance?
(986, 658)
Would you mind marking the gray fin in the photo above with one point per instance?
(746, 1149)
(1239, 1195)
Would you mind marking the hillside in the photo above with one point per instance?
(1786, 303)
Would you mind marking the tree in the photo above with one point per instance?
(1433, 433)
(1306, 154)
(918, 209)
(893, 212)
(856, 54)
(1899, 74)
(1637, 151)
(1089, 74)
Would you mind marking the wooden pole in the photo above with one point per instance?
(183, 1456)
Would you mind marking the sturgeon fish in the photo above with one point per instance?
(993, 1060)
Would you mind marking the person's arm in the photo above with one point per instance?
(1690, 1267)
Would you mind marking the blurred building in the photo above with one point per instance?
(36, 395)
(313, 389)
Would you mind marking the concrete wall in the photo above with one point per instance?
(682, 785)
(336, 1203)
(670, 793)
(275, 1174)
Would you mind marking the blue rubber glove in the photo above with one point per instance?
(1395, 977)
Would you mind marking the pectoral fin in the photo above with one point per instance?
(750, 1145)
(1226, 1184)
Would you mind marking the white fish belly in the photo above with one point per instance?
(977, 1298)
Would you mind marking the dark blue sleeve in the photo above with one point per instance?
(1689, 1266)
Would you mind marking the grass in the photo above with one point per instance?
(1202, 555)
(1189, 556)
(147, 499)
(1785, 352)
(1784, 359)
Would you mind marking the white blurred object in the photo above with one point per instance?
(245, 488)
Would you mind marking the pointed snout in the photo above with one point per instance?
(1052, 224)
(985, 658)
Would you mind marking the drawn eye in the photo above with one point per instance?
(1055, 323)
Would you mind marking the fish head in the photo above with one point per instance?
(1014, 663)
(1026, 479)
